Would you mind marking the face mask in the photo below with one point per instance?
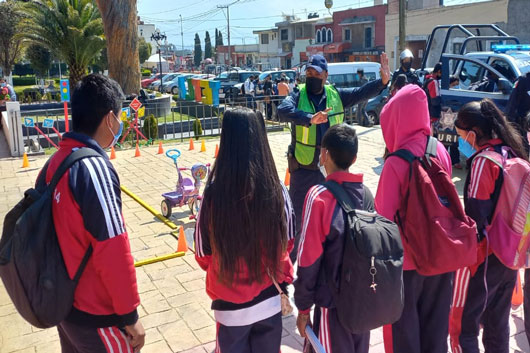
(456, 87)
(322, 170)
(3, 84)
(465, 147)
(118, 134)
(313, 84)
(407, 65)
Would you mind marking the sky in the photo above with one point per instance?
(199, 16)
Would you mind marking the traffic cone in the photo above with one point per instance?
(25, 161)
(137, 152)
(160, 148)
(517, 296)
(191, 145)
(112, 153)
(203, 146)
(216, 151)
(182, 244)
(287, 180)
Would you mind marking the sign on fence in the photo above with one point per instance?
(47, 124)
(65, 90)
(29, 122)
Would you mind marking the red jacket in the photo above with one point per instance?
(243, 303)
(87, 211)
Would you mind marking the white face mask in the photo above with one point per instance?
(322, 170)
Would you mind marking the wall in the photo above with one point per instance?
(518, 11)
(379, 12)
(420, 23)
(146, 31)
(300, 45)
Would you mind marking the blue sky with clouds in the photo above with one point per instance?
(200, 16)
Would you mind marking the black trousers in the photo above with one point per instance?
(80, 339)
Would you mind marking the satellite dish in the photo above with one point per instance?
(328, 3)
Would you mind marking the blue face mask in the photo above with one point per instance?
(118, 134)
(322, 170)
(3, 84)
(465, 147)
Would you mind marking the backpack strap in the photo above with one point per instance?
(407, 156)
(65, 165)
(341, 196)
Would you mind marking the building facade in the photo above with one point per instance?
(146, 30)
(268, 49)
(243, 56)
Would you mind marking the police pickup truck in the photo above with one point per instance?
(505, 63)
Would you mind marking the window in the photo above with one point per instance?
(264, 38)
(368, 37)
(330, 36)
(319, 38)
(504, 68)
(284, 34)
(299, 32)
(470, 73)
(347, 34)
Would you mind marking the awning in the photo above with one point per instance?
(285, 55)
(357, 20)
(335, 48)
(314, 49)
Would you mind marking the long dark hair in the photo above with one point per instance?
(488, 122)
(244, 199)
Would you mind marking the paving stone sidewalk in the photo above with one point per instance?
(175, 309)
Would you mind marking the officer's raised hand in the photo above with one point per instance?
(320, 117)
(385, 70)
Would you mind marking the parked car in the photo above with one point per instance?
(231, 78)
(376, 104)
(172, 86)
(146, 82)
(276, 75)
(155, 86)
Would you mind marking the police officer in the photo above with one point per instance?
(405, 59)
(312, 110)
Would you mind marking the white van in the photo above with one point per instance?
(345, 74)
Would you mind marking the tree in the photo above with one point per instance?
(10, 43)
(40, 59)
(101, 64)
(216, 38)
(198, 51)
(144, 50)
(70, 29)
(121, 30)
(220, 38)
(207, 46)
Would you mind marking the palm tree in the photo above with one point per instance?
(71, 29)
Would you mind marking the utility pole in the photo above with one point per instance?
(227, 7)
(402, 24)
(182, 38)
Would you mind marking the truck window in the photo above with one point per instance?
(504, 68)
(470, 73)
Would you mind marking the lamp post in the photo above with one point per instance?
(157, 37)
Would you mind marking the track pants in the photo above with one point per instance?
(334, 338)
(301, 181)
(264, 336)
(80, 339)
(476, 302)
(423, 326)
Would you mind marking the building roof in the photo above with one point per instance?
(265, 30)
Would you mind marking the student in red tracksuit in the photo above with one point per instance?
(244, 233)
(87, 211)
(322, 243)
(423, 326)
(482, 293)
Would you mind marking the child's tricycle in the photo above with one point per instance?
(187, 191)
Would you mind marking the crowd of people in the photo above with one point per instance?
(251, 230)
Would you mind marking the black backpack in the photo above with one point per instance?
(370, 290)
(31, 263)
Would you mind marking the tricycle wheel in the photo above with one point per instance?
(194, 205)
(166, 208)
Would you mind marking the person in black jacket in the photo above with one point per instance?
(405, 60)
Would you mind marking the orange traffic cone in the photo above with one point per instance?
(25, 161)
(203, 146)
(137, 152)
(191, 145)
(160, 148)
(112, 153)
(517, 296)
(216, 151)
(287, 180)
(182, 244)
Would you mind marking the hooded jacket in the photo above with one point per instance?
(405, 124)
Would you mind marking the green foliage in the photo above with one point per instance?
(40, 59)
(197, 128)
(100, 63)
(24, 81)
(150, 128)
(197, 57)
(23, 70)
(11, 43)
(38, 96)
(158, 94)
(207, 46)
(49, 97)
(144, 50)
(176, 97)
(71, 29)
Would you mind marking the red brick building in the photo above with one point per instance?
(354, 35)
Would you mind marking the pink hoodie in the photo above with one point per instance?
(406, 124)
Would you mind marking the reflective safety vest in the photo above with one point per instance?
(306, 137)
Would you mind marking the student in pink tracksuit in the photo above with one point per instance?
(423, 326)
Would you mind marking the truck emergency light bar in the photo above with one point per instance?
(503, 48)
